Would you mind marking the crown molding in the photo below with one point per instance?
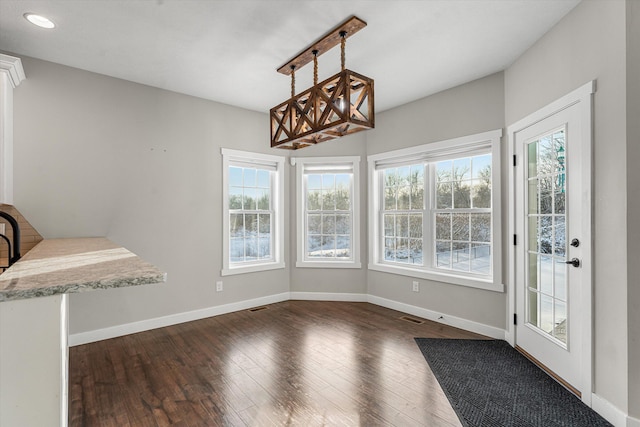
(12, 66)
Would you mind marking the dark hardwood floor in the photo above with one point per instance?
(296, 363)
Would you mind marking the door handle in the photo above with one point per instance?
(574, 261)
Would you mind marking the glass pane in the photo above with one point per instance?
(546, 275)
(236, 250)
(545, 231)
(314, 246)
(263, 199)
(480, 227)
(235, 176)
(389, 225)
(559, 236)
(443, 171)
(249, 177)
(533, 271)
(251, 249)
(546, 195)
(328, 246)
(264, 250)
(390, 194)
(402, 250)
(402, 225)
(415, 225)
(249, 199)
(481, 167)
(443, 254)
(460, 227)
(343, 196)
(343, 247)
(314, 224)
(533, 200)
(328, 224)
(480, 258)
(560, 321)
(559, 202)
(462, 194)
(389, 249)
(343, 224)
(532, 158)
(251, 225)
(264, 224)
(314, 182)
(443, 226)
(264, 180)
(235, 198)
(236, 225)
(460, 256)
(416, 251)
(546, 313)
(404, 173)
(444, 195)
(462, 169)
(532, 311)
(560, 280)
(328, 200)
(533, 234)
(546, 156)
(417, 187)
(403, 197)
(481, 194)
(328, 181)
(313, 200)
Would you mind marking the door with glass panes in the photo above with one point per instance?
(553, 243)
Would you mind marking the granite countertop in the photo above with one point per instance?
(58, 266)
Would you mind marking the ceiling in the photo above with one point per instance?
(228, 50)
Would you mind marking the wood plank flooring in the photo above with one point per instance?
(295, 363)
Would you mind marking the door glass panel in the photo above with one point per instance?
(547, 243)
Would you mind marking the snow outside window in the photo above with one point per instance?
(328, 212)
(253, 209)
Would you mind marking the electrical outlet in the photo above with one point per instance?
(416, 286)
(219, 286)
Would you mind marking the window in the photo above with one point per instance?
(432, 211)
(253, 223)
(328, 212)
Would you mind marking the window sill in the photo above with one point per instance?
(439, 277)
(328, 264)
(252, 268)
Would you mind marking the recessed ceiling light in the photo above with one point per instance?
(39, 20)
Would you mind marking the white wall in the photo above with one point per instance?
(587, 44)
(471, 108)
(97, 156)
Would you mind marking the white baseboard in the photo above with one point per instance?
(446, 319)
(174, 319)
(633, 422)
(611, 413)
(328, 296)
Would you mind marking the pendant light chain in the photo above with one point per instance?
(315, 67)
(343, 42)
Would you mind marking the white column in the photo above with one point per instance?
(11, 74)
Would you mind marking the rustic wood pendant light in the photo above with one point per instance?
(338, 106)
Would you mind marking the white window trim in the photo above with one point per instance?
(460, 145)
(258, 159)
(299, 163)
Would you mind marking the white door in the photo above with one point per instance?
(553, 243)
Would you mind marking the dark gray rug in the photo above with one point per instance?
(490, 384)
